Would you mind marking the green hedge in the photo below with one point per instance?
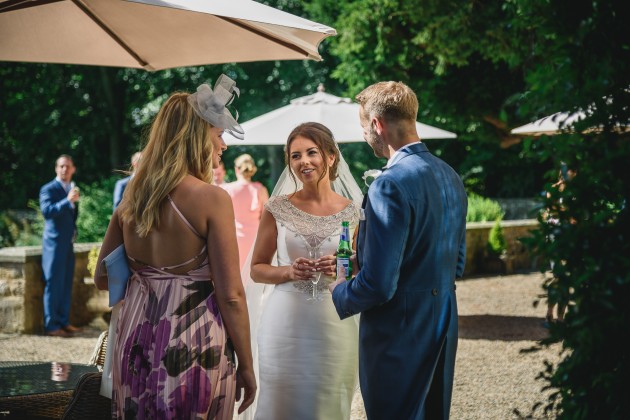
(481, 209)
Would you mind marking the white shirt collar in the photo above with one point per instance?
(397, 152)
(65, 185)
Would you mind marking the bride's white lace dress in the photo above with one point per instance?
(308, 358)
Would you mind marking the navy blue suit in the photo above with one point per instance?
(57, 253)
(410, 248)
(119, 189)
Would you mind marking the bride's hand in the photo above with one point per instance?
(301, 269)
(327, 265)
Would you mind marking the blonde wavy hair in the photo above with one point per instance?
(178, 144)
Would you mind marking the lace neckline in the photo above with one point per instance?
(313, 229)
(314, 215)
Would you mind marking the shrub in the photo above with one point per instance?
(95, 210)
(496, 240)
(92, 258)
(20, 228)
(481, 209)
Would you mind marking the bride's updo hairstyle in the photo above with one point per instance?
(323, 138)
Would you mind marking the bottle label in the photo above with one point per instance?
(343, 262)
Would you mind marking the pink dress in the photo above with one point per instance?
(249, 199)
(173, 357)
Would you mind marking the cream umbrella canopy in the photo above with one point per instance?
(154, 34)
(340, 115)
(549, 125)
(560, 122)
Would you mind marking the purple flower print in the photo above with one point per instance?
(192, 396)
(151, 406)
(135, 361)
(162, 333)
(211, 303)
(155, 381)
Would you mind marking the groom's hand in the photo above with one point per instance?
(355, 264)
(341, 277)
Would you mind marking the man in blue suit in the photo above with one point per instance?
(121, 184)
(410, 249)
(58, 201)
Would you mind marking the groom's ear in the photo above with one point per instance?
(377, 123)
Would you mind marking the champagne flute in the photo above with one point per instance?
(314, 253)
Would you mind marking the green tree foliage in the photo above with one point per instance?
(458, 57)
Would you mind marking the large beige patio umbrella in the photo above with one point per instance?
(340, 115)
(153, 34)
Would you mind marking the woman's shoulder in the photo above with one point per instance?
(199, 196)
(277, 202)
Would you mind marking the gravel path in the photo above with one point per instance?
(492, 377)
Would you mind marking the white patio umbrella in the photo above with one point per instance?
(549, 125)
(153, 34)
(340, 115)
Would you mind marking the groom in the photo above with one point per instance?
(410, 249)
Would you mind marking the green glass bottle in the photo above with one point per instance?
(344, 251)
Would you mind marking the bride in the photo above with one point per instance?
(307, 357)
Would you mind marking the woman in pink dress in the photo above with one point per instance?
(249, 199)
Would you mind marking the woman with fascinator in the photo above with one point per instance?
(184, 313)
(307, 358)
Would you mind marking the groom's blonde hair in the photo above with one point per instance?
(392, 101)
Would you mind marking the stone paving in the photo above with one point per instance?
(492, 378)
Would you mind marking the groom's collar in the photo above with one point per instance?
(408, 149)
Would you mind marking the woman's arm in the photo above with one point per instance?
(113, 238)
(230, 295)
(264, 250)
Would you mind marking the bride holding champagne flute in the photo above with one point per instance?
(307, 358)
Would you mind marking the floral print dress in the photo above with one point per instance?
(173, 358)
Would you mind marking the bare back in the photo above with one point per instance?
(183, 232)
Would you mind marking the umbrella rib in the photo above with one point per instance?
(115, 37)
(267, 36)
(11, 5)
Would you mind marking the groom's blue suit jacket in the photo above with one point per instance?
(410, 248)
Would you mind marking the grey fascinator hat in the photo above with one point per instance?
(211, 105)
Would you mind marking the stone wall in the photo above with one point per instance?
(517, 258)
(22, 290)
(22, 287)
